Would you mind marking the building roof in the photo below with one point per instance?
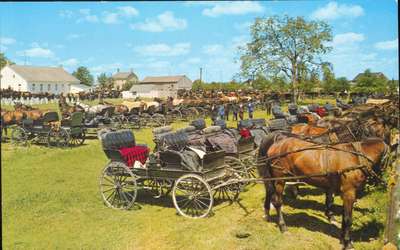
(123, 75)
(44, 74)
(161, 79)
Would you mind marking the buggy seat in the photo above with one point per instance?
(278, 124)
(258, 130)
(199, 124)
(121, 146)
(44, 120)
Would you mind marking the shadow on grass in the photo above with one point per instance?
(148, 198)
(311, 223)
(372, 229)
(315, 205)
(304, 191)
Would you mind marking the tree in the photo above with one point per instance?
(284, 45)
(103, 80)
(309, 82)
(4, 60)
(197, 85)
(342, 84)
(370, 83)
(84, 76)
(128, 85)
(328, 78)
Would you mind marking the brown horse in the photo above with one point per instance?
(334, 170)
(29, 111)
(346, 130)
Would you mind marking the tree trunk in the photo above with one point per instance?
(294, 83)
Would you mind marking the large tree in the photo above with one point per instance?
(83, 75)
(288, 45)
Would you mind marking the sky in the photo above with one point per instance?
(179, 38)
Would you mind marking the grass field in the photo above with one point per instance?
(50, 200)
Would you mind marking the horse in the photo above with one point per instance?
(119, 108)
(66, 109)
(30, 112)
(336, 169)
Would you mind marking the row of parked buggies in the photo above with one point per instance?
(197, 164)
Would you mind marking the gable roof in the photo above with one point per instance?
(44, 74)
(123, 75)
(161, 79)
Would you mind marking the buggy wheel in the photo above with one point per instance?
(236, 170)
(158, 120)
(250, 166)
(134, 121)
(78, 139)
(236, 167)
(118, 186)
(19, 136)
(192, 196)
(58, 137)
(159, 187)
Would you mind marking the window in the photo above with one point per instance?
(41, 87)
(48, 87)
(62, 86)
(56, 87)
(33, 87)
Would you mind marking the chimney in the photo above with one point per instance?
(118, 70)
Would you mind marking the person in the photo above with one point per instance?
(250, 107)
(241, 111)
(235, 109)
(221, 111)
(227, 111)
(214, 113)
(268, 106)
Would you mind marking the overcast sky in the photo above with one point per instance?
(159, 38)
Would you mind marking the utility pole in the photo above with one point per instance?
(201, 74)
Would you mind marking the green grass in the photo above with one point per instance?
(50, 200)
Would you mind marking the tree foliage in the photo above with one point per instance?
(128, 85)
(287, 45)
(83, 75)
(4, 60)
(105, 81)
(369, 83)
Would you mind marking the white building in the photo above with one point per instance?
(37, 79)
(161, 86)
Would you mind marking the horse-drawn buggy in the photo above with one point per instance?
(50, 130)
(194, 177)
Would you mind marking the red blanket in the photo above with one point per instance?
(245, 133)
(321, 111)
(136, 153)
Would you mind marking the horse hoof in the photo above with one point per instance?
(283, 228)
(348, 246)
(267, 218)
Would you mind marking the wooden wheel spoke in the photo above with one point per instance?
(112, 194)
(108, 190)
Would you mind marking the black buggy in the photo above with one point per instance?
(193, 179)
(50, 130)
